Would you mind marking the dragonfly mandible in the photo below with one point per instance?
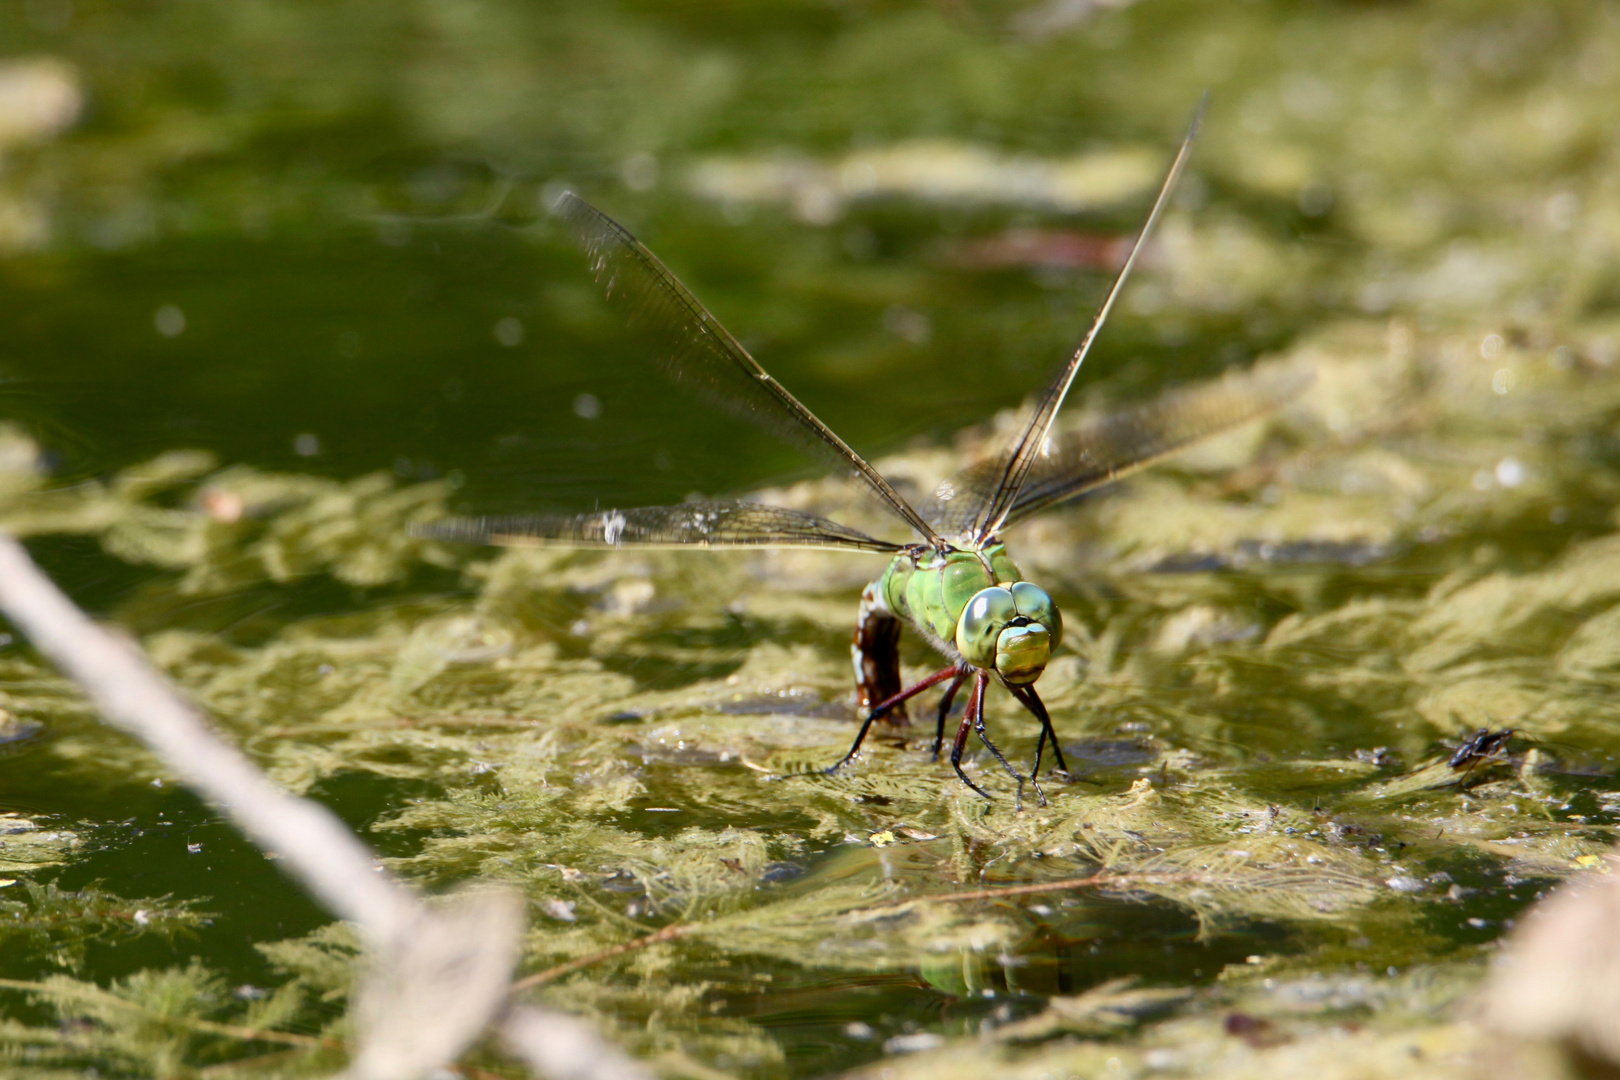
(955, 582)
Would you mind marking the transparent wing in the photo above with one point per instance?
(710, 525)
(693, 348)
(1105, 448)
(1013, 467)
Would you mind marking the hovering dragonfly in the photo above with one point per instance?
(955, 583)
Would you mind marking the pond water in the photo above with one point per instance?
(278, 284)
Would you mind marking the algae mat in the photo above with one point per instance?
(239, 374)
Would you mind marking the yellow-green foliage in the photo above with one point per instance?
(1271, 644)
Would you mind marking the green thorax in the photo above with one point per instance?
(931, 589)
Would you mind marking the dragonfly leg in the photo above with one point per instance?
(945, 708)
(875, 651)
(984, 737)
(1035, 775)
(884, 706)
(973, 717)
(1032, 701)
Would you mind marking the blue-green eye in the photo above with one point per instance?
(981, 623)
(1036, 605)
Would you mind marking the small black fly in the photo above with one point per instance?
(1483, 747)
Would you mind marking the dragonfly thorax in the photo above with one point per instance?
(977, 604)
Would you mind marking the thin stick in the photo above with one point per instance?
(243, 1065)
(552, 974)
(315, 847)
(1099, 880)
(438, 977)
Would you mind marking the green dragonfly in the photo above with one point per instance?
(955, 582)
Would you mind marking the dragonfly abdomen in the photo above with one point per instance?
(875, 651)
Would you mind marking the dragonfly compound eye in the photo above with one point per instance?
(1035, 604)
(1024, 646)
(987, 614)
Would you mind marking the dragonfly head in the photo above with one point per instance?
(1012, 628)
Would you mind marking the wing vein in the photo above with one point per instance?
(687, 323)
(710, 525)
(992, 514)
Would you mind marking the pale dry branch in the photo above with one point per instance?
(437, 977)
(564, 1049)
(1559, 977)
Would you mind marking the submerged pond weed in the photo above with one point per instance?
(622, 753)
(1265, 864)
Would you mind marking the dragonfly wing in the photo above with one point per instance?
(706, 525)
(1018, 459)
(1104, 448)
(694, 349)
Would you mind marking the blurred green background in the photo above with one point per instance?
(343, 201)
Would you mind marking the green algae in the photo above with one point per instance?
(1273, 641)
(623, 803)
(65, 924)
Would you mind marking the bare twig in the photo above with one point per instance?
(564, 1049)
(1095, 881)
(437, 977)
(1558, 978)
(551, 974)
(315, 846)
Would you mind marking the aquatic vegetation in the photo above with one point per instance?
(28, 846)
(1273, 645)
(595, 729)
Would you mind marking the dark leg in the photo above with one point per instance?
(945, 709)
(1035, 776)
(973, 716)
(1034, 704)
(875, 651)
(984, 737)
(884, 706)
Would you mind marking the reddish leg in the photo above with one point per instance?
(970, 719)
(945, 709)
(884, 706)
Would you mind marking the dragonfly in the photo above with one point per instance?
(953, 581)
